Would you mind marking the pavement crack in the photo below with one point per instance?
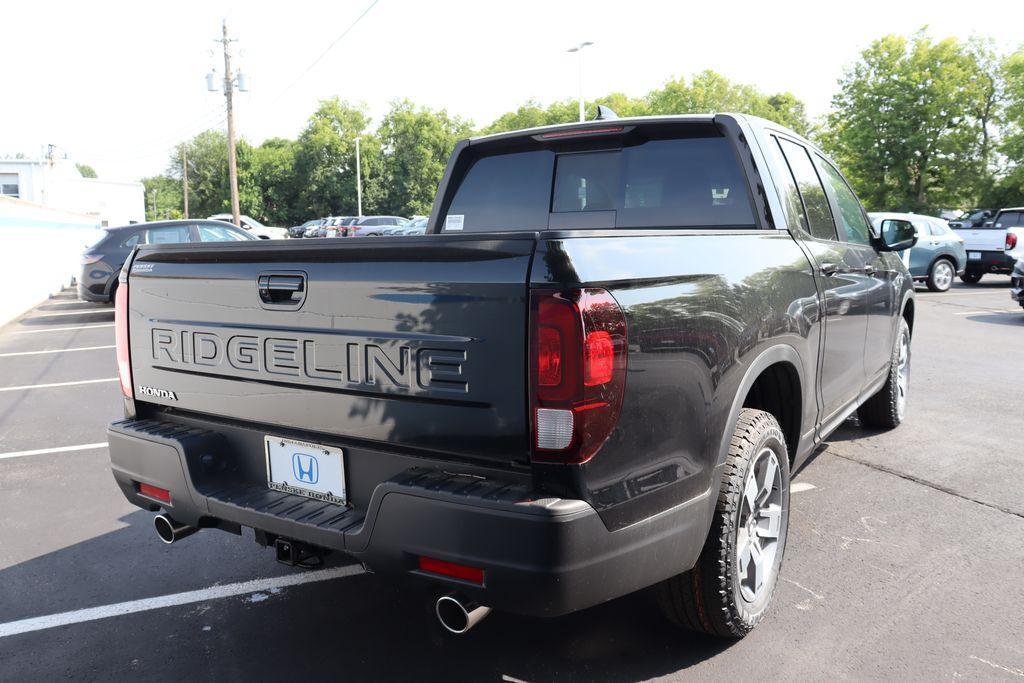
(932, 485)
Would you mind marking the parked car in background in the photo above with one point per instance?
(264, 232)
(336, 226)
(939, 255)
(995, 246)
(1017, 283)
(101, 263)
(300, 230)
(313, 231)
(975, 218)
(417, 226)
(369, 226)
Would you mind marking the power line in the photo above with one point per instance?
(324, 53)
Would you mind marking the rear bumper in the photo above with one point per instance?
(541, 556)
(990, 262)
(1017, 287)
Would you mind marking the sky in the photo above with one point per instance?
(117, 84)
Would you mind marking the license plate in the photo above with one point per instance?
(974, 255)
(305, 469)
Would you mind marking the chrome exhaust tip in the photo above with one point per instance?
(457, 616)
(170, 531)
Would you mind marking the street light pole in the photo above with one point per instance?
(184, 177)
(359, 181)
(579, 49)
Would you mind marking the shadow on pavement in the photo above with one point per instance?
(360, 627)
(1011, 319)
(85, 317)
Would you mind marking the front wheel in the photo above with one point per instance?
(729, 590)
(971, 277)
(885, 409)
(940, 277)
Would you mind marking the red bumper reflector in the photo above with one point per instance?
(155, 492)
(455, 571)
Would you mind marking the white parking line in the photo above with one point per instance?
(65, 329)
(39, 353)
(229, 590)
(58, 384)
(86, 311)
(59, 449)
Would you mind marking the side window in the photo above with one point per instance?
(936, 229)
(850, 213)
(169, 235)
(787, 187)
(819, 216)
(217, 233)
(132, 241)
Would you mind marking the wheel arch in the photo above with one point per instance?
(770, 382)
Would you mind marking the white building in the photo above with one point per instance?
(57, 184)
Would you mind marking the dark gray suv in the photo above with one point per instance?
(102, 262)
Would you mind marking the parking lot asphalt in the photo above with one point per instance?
(904, 557)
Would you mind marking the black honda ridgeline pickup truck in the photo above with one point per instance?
(594, 374)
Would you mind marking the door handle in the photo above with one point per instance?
(282, 289)
(828, 269)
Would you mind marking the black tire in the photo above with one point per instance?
(971, 277)
(940, 275)
(709, 598)
(884, 410)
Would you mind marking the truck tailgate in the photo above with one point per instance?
(982, 239)
(417, 342)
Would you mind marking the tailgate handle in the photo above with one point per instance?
(282, 290)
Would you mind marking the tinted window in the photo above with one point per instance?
(786, 185)
(662, 183)
(1009, 219)
(587, 182)
(132, 241)
(220, 233)
(503, 192)
(850, 213)
(169, 235)
(819, 216)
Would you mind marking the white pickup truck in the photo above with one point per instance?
(994, 247)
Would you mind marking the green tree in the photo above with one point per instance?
(273, 171)
(1008, 188)
(906, 125)
(706, 92)
(163, 198)
(415, 145)
(325, 159)
(709, 91)
(86, 171)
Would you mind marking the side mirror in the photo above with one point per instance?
(897, 235)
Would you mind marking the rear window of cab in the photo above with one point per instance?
(693, 182)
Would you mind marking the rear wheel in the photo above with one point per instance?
(971, 277)
(940, 277)
(729, 590)
(885, 409)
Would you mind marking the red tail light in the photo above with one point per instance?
(1011, 240)
(577, 372)
(124, 367)
(155, 492)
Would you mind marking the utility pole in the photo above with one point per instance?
(579, 49)
(184, 177)
(359, 181)
(229, 90)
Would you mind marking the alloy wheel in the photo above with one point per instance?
(760, 525)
